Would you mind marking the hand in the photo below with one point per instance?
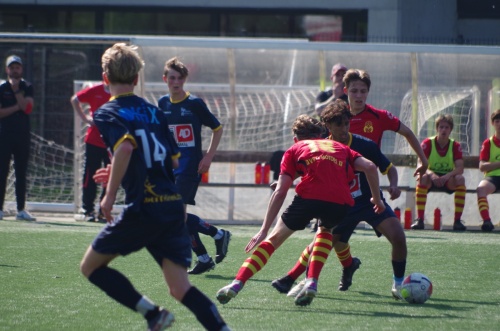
(101, 176)
(204, 165)
(394, 192)
(378, 207)
(257, 239)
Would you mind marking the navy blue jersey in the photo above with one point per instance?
(325, 95)
(149, 180)
(18, 123)
(360, 189)
(186, 118)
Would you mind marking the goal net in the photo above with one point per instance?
(50, 182)
(461, 103)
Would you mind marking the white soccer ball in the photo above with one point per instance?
(416, 288)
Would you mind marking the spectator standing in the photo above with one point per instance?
(337, 90)
(96, 153)
(16, 104)
(186, 115)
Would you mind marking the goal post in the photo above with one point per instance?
(461, 103)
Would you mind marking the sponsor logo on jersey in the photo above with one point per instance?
(355, 187)
(186, 112)
(183, 134)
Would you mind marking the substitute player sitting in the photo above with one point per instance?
(445, 172)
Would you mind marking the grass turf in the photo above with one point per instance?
(42, 289)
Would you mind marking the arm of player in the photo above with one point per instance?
(77, 107)
(273, 208)
(485, 166)
(119, 165)
(206, 161)
(415, 145)
(393, 189)
(370, 170)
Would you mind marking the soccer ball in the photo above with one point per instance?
(416, 288)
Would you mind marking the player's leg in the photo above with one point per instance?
(421, 191)
(198, 303)
(257, 260)
(330, 216)
(285, 283)
(342, 234)
(221, 236)
(94, 266)
(204, 262)
(457, 184)
(391, 228)
(486, 187)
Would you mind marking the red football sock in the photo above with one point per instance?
(255, 262)
(321, 249)
(301, 265)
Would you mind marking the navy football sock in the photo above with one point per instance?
(116, 285)
(194, 223)
(204, 309)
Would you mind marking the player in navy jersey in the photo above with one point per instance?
(144, 153)
(336, 117)
(326, 169)
(187, 114)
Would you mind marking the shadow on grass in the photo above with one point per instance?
(76, 224)
(220, 277)
(9, 266)
(437, 303)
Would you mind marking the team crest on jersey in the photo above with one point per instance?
(183, 134)
(368, 127)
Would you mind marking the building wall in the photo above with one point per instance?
(395, 20)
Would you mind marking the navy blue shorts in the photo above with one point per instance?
(358, 214)
(188, 186)
(495, 180)
(301, 211)
(164, 237)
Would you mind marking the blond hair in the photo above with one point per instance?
(121, 63)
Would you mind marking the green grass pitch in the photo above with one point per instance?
(41, 287)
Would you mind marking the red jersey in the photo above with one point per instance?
(326, 168)
(95, 96)
(427, 147)
(484, 155)
(372, 122)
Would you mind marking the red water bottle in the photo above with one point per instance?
(397, 211)
(407, 218)
(204, 177)
(267, 173)
(258, 173)
(437, 219)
